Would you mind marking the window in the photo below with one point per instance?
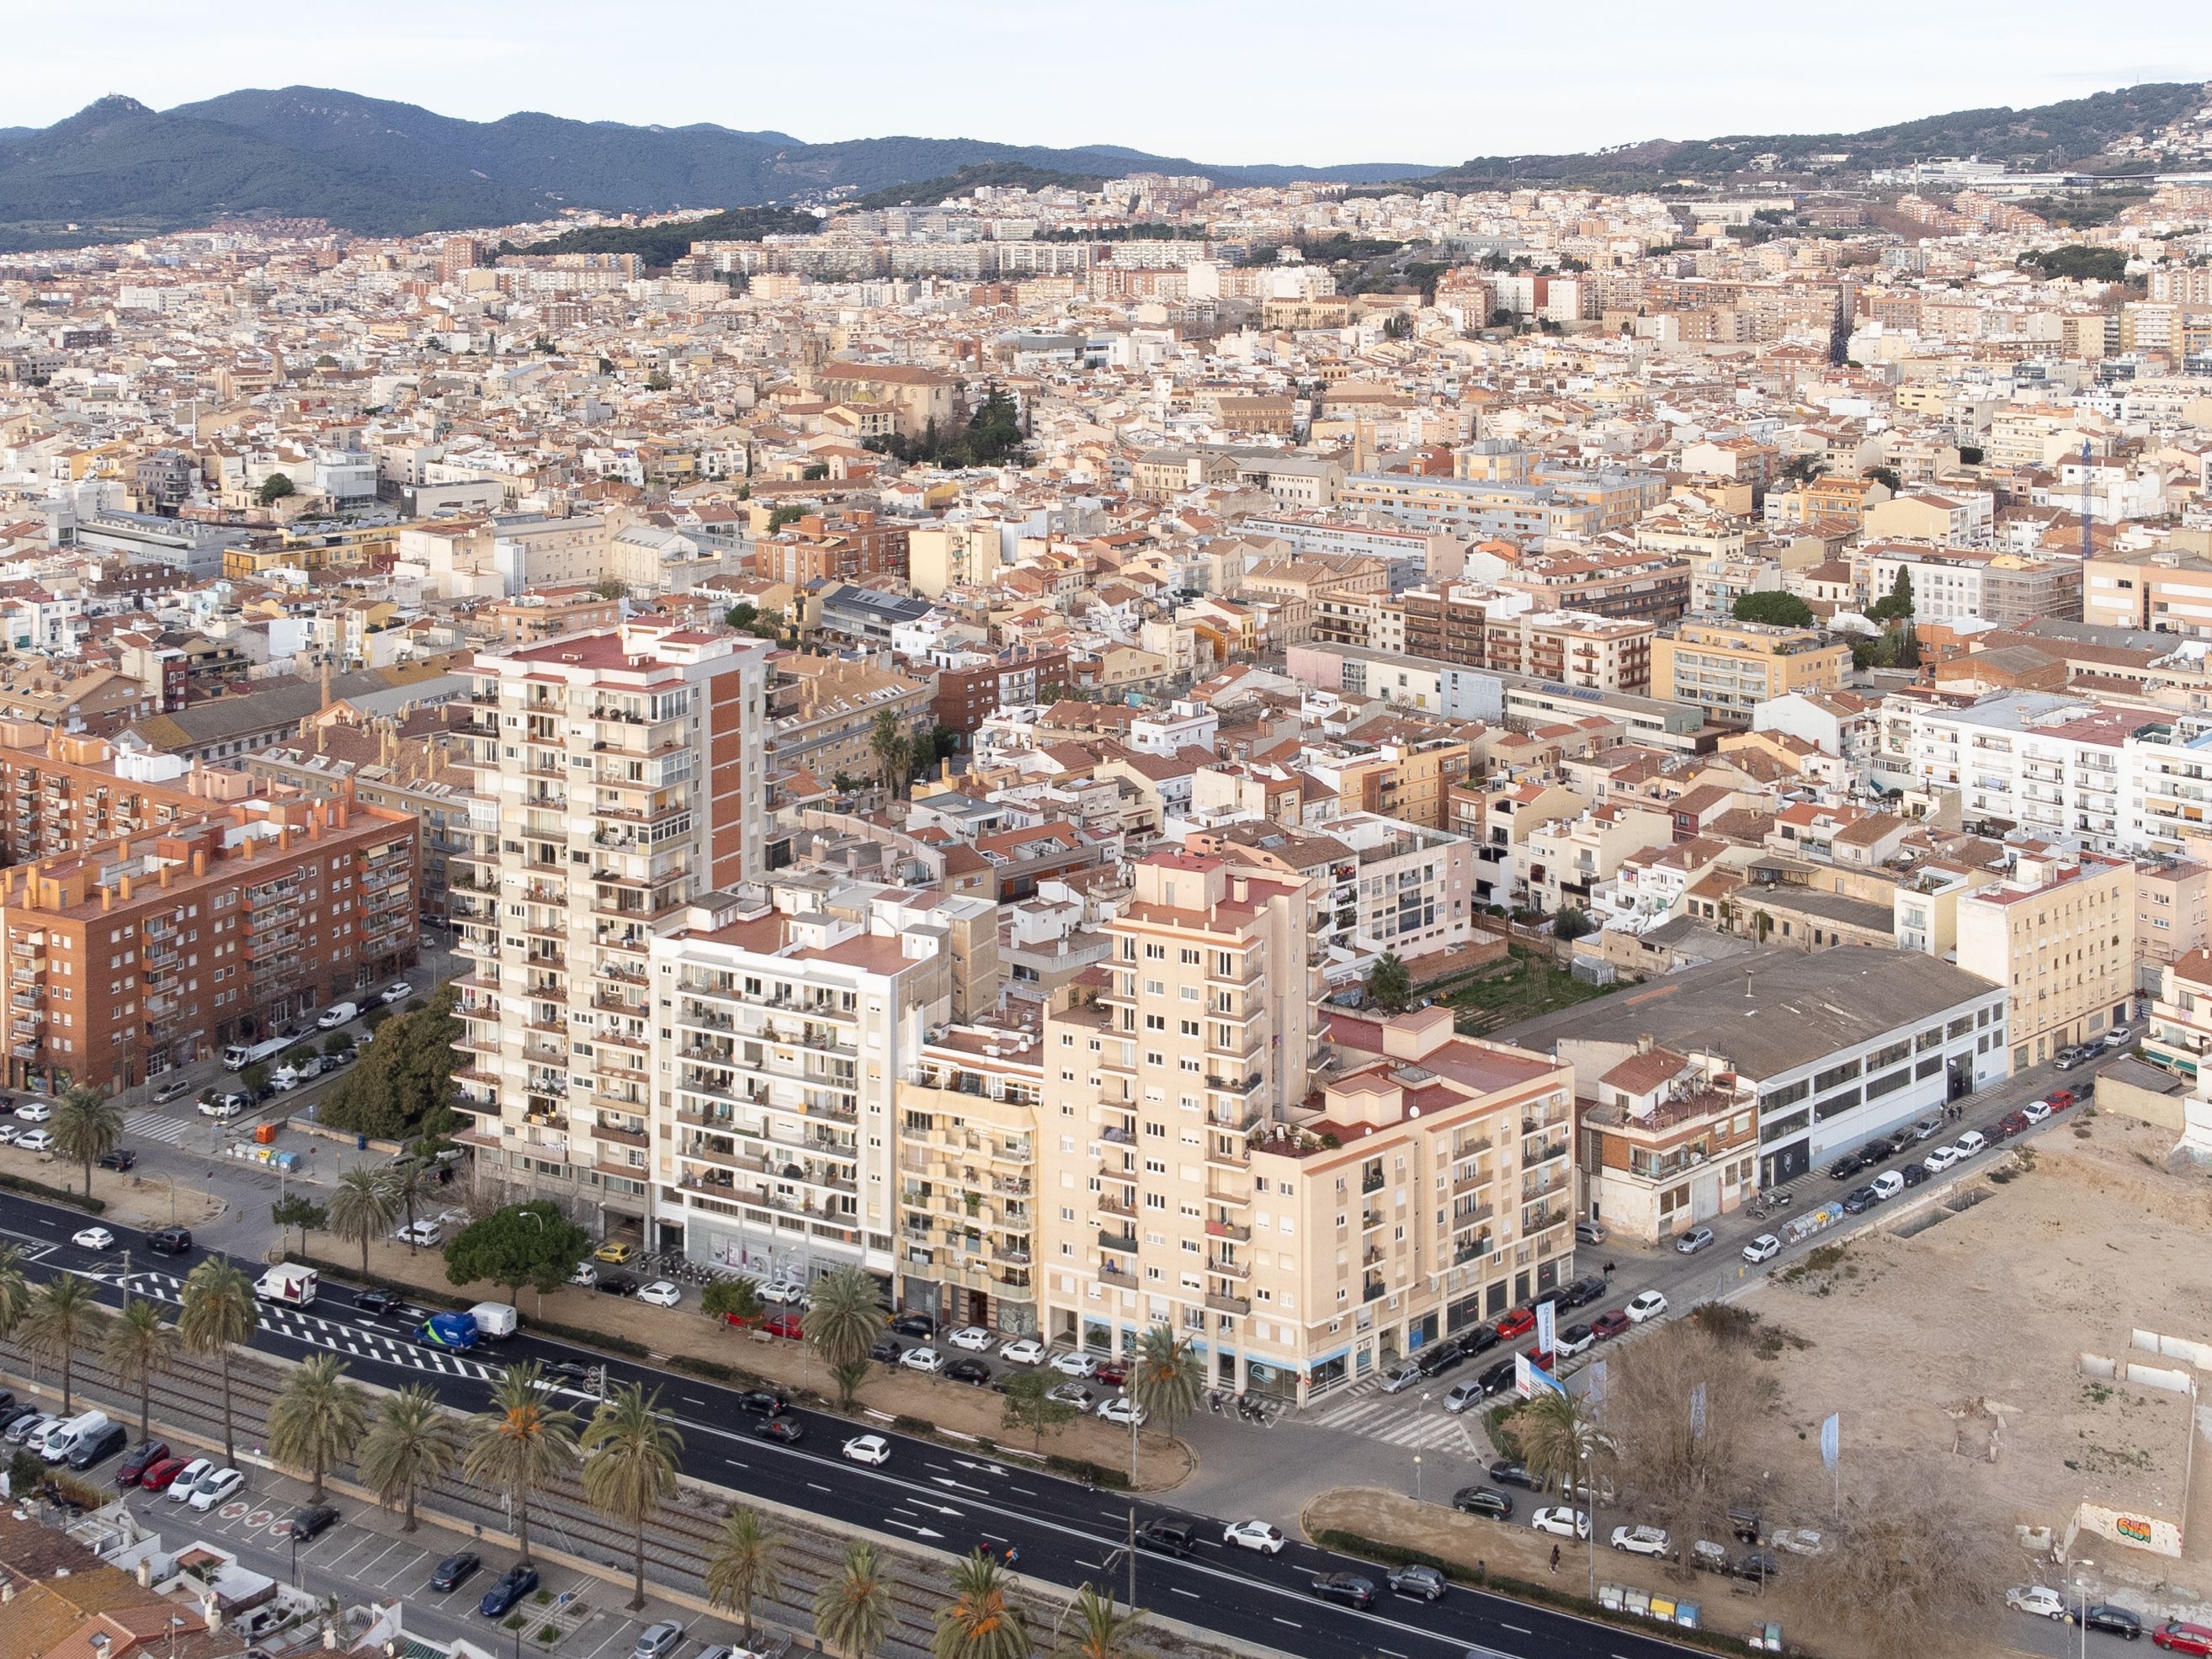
(1835, 1074)
(1788, 1095)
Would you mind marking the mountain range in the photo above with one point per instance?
(118, 169)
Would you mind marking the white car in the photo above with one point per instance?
(922, 1359)
(1887, 1185)
(424, 1233)
(2035, 1111)
(35, 1140)
(973, 1338)
(1562, 1520)
(1941, 1159)
(1023, 1351)
(1650, 1305)
(2040, 1600)
(224, 1106)
(1798, 1540)
(1403, 1378)
(330, 1018)
(1641, 1540)
(1121, 1411)
(661, 1293)
(868, 1449)
(214, 1488)
(1765, 1247)
(189, 1478)
(93, 1239)
(8, 1134)
(1077, 1364)
(1568, 1345)
(2118, 1037)
(34, 1111)
(1253, 1536)
(782, 1291)
(1071, 1393)
(399, 992)
(586, 1275)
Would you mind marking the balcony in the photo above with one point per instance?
(1230, 1269)
(1228, 1304)
(1123, 1241)
(1230, 1229)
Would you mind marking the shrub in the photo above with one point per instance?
(56, 1194)
(1083, 1469)
(921, 1425)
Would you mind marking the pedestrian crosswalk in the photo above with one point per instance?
(156, 1126)
(1397, 1421)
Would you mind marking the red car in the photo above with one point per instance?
(1539, 1358)
(2182, 1638)
(2060, 1099)
(2013, 1123)
(1519, 1322)
(157, 1478)
(1611, 1323)
(788, 1325)
(1112, 1373)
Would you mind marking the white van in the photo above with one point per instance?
(1972, 1142)
(494, 1320)
(337, 1015)
(67, 1436)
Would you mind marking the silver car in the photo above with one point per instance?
(1696, 1239)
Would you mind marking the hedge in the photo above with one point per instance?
(59, 1194)
(1521, 1589)
(1098, 1475)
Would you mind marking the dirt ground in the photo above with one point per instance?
(133, 1200)
(1164, 1460)
(1954, 1353)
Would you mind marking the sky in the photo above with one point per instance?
(1229, 81)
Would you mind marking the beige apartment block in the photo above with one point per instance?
(1729, 669)
(2170, 592)
(2059, 933)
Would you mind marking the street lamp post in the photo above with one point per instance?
(1416, 1477)
(2082, 1585)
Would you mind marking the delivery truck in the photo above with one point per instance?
(288, 1282)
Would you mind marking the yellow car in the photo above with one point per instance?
(613, 1250)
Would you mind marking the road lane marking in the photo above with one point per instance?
(1180, 1590)
(1518, 1630)
(1293, 1623)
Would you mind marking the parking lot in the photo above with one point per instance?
(365, 1557)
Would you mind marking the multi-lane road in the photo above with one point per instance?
(1066, 1534)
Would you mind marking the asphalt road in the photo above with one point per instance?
(1066, 1536)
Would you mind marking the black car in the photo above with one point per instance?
(1581, 1292)
(1874, 1151)
(1483, 1500)
(141, 1458)
(886, 1349)
(1846, 1167)
(1420, 1582)
(915, 1325)
(1860, 1199)
(567, 1374)
(376, 1301)
(514, 1585)
(312, 1521)
(455, 1571)
(784, 1431)
(1177, 1538)
(117, 1158)
(1436, 1361)
(100, 1447)
(1914, 1173)
(2113, 1621)
(1480, 1340)
(1511, 1472)
(1349, 1588)
(617, 1285)
(1758, 1565)
(169, 1240)
(1498, 1378)
(969, 1370)
(11, 1415)
(763, 1403)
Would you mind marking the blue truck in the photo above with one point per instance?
(448, 1330)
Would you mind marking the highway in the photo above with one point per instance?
(1066, 1536)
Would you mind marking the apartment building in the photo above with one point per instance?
(2168, 591)
(617, 777)
(1403, 889)
(2058, 934)
(822, 715)
(2050, 764)
(1668, 1140)
(1470, 507)
(1646, 586)
(1566, 858)
(1729, 669)
(1201, 1029)
(1950, 584)
(62, 791)
(2173, 914)
(132, 954)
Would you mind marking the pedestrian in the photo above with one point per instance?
(1555, 1558)
(1481, 1572)
(1608, 1270)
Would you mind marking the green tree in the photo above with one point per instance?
(846, 1376)
(1897, 604)
(530, 1243)
(403, 1077)
(316, 1418)
(338, 1043)
(980, 1621)
(1774, 608)
(298, 1209)
(741, 1567)
(64, 1318)
(731, 1299)
(629, 1465)
(362, 1207)
(218, 1311)
(1028, 1404)
(412, 1185)
(87, 1126)
(522, 1444)
(274, 489)
(844, 1320)
(1558, 1441)
(1100, 1632)
(852, 1607)
(139, 1347)
(1886, 477)
(889, 745)
(255, 1077)
(409, 1448)
(1389, 984)
(1166, 1379)
(779, 516)
(14, 1290)
(1572, 923)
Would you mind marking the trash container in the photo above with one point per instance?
(361, 1143)
(264, 1133)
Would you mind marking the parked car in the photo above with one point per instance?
(1347, 1588)
(1889, 1184)
(311, 1523)
(2177, 1636)
(1765, 1247)
(213, 1489)
(186, 1480)
(1460, 1395)
(1696, 1239)
(1076, 1365)
(117, 1158)
(2036, 1112)
(1176, 1538)
(1480, 1340)
(1498, 1378)
(658, 1640)
(1581, 1292)
(1970, 1143)
(1519, 1322)
(1422, 1583)
(1113, 1372)
(1610, 1323)
(1846, 1167)
(918, 1325)
(584, 1277)
(1511, 1472)
(2119, 1037)
(2013, 1123)
(973, 1338)
(399, 992)
(1941, 1159)
(615, 1252)
(174, 1088)
(1023, 1351)
(1798, 1540)
(888, 1349)
(1859, 1199)
(969, 1370)
(1121, 1411)
(2059, 1099)
(1403, 1375)
(33, 1111)
(1642, 1540)
(455, 1571)
(132, 1469)
(1575, 1339)
(97, 1446)
(1928, 1128)
(1073, 1393)
(2069, 1058)
(1254, 1535)
(1561, 1520)
(1758, 1565)
(2113, 1620)
(1912, 1174)
(2038, 1599)
(1588, 1233)
(513, 1585)
(425, 1235)
(788, 1325)
(160, 1475)
(36, 1140)
(617, 1285)
(1438, 1357)
(661, 1293)
(1648, 1305)
(1483, 1501)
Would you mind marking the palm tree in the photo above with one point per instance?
(1559, 1439)
(1167, 1381)
(852, 1608)
(845, 1318)
(630, 1465)
(316, 1417)
(1100, 1632)
(218, 1311)
(412, 1183)
(741, 1567)
(980, 1621)
(87, 1125)
(363, 1207)
(521, 1443)
(893, 754)
(63, 1318)
(408, 1450)
(14, 1290)
(138, 1348)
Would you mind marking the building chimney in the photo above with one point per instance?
(1644, 1043)
(164, 876)
(126, 888)
(107, 899)
(199, 860)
